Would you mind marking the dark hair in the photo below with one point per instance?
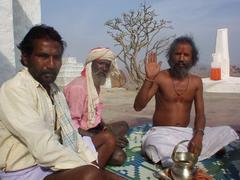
(39, 32)
(180, 40)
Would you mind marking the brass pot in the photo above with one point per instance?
(183, 167)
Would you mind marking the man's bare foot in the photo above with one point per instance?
(221, 152)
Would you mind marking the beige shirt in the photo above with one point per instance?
(27, 135)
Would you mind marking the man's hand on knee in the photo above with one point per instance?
(121, 141)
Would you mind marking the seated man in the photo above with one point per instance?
(37, 138)
(175, 90)
(82, 96)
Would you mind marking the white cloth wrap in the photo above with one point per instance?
(158, 143)
(93, 97)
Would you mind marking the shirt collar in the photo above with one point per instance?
(34, 81)
(53, 86)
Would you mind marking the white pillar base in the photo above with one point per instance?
(226, 85)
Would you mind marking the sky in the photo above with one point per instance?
(81, 22)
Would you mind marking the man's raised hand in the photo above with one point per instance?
(152, 67)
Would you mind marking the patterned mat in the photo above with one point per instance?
(226, 167)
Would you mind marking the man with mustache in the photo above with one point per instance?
(175, 90)
(37, 138)
(83, 98)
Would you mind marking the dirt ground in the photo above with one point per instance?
(220, 108)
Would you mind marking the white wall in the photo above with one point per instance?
(26, 13)
(17, 17)
(7, 57)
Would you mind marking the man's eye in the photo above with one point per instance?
(43, 56)
(57, 57)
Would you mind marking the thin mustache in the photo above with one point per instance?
(181, 62)
(100, 72)
(49, 72)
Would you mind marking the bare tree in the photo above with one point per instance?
(136, 32)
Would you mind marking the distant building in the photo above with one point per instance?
(70, 69)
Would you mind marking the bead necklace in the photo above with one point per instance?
(180, 94)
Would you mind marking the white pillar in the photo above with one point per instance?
(7, 56)
(17, 17)
(222, 52)
(26, 13)
(6, 31)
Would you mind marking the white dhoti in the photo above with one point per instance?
(158, 143)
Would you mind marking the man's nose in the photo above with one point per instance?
(181, 57)
(105, 68)
(51, 62)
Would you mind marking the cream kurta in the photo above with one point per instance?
(27, 137)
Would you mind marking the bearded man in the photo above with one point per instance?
(175, 90)
(86, 108)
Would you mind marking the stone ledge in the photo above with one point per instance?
(227, 85)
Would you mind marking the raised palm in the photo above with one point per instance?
(152, 67)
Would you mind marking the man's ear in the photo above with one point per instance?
(24, 59)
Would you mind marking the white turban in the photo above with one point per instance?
(100, 53)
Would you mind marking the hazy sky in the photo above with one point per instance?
(81, 22)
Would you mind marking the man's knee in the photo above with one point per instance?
(119, 128)
(118, 158)
(91, 173)
(124, 125)
(84, 172)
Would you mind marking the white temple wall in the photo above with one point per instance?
(17, 17)
(26, 13)
(7, 56)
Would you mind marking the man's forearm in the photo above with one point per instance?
(85, 133)
(199, 125)
(142, 97)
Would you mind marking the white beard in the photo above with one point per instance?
(99, 80)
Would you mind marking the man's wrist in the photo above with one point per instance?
(199, 131)
(85, 133)
(149, 80)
